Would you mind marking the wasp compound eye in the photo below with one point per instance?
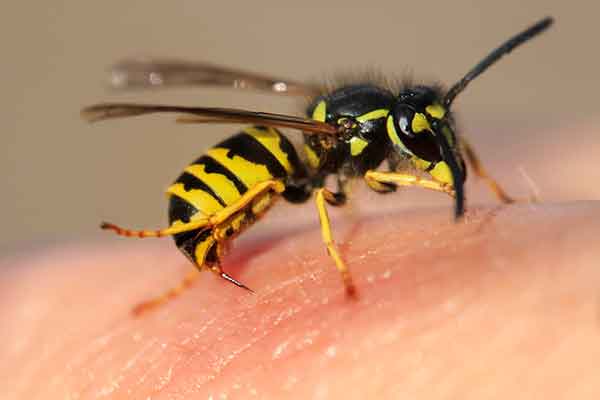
(403, 117)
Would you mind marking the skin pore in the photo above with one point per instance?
(505, 304)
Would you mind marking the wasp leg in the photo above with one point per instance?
(475, 163)
(381, 182)
(187, 281)
(246, 199)
(172, 230)
(323, 195)
(379, 186)
(216, 219)
(251, 200)
(255, 201)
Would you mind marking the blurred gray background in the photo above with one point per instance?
(61, 176)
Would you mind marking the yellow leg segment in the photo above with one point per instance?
(222, 217)
(375, 178)
(482, 173)
(168, 295)
(323, 195)
(246, 199)
(172, 230)
(216, 219)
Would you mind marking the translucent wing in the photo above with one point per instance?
(153, 73)
(100, 112)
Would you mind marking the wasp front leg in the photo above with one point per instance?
(386, 181)
(478, 169)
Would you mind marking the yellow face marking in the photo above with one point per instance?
(203, 201)
(441, 173)
(437, 111)
(311, 157)
(357, 145)
(202, 249)
(248, 172)
(391, 130)
(272, 142)
(220, 184)
(420, 163)
(376, 114)
(419, 123)
(320, 111)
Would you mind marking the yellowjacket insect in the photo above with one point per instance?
(349, 132)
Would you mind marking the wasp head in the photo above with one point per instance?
(421, 128)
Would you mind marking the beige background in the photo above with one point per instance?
(60, 176)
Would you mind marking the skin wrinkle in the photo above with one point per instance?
(409, 302)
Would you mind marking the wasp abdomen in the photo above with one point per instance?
(220, 178)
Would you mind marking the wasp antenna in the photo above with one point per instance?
(495, 55)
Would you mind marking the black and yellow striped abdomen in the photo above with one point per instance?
(219, 178)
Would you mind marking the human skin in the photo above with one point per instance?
(505, 304)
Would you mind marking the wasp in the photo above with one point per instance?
(349, 131)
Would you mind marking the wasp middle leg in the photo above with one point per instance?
(323, 196)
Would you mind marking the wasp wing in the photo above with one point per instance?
(153, 73)
(104, 111)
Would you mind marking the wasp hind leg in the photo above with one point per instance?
(170, 294)
(322, 197)
(204, 242)
(171, 230)
(175, 229)
(211, 250)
